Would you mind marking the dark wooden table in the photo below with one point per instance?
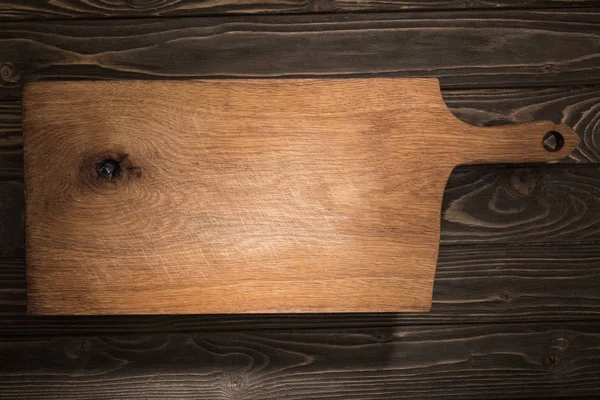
(516, 310)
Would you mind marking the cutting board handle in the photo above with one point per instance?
(537, 141)
(513, 143)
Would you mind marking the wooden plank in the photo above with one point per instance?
(549, 361)
(473, 284)
(461, 48)
(245, 196)
(522, 205)
(84, 9)
(80, 9)
(399, 5)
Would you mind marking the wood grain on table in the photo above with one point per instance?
(67, 9)
(498, 361)
(531, 64)
(538, 49)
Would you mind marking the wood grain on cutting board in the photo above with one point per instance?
(245, 196)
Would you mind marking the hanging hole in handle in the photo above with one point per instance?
(553, 141)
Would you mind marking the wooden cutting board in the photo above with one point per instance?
(245, 196)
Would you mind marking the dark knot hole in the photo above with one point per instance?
(109, 168)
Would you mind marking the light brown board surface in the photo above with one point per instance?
(244, 196)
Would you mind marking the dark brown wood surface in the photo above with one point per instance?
(67, 9)
(506, 361)
(539, 48)
(546, 269)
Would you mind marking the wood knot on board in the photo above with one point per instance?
(235, 385)
(109, 168)
(554, 358)
(525, 181)
(553, 361)
(9, 73)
